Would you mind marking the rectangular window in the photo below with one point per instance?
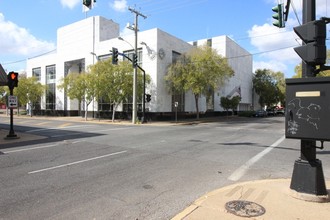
(50, 74)
(51, 87)
(175, 56)
(104, 57)
(50, 96)
(178, 100)
(129, 53)
(36, 72)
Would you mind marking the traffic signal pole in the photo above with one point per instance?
(307, 176)
(12, 82)
(11, 130)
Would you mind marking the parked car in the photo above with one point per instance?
(271, 111)
(260, 113)
(280, 111)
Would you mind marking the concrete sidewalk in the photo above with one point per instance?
(273, 197)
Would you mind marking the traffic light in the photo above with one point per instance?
(114, 56)
(87, 3)
(148, 97)
(12, 80)
(278, 16)
(135, 60)
(313, 34)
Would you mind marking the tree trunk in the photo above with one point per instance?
(197, 109)
(86, 109)
(114, 112)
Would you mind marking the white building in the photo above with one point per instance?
(85, 42)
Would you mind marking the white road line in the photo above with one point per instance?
(31, 148)
(237, 174)
(39, 147)
(58, 128)
(76, 162)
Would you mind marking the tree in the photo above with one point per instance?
(80, 86)
(115, 82)
(230, 103)
(29, 92)
(199, 70)
(279, 80)
(298, 70)
(269, 86)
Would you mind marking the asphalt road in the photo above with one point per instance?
(78, 170)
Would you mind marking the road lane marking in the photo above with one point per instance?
(31, 148)
(58, 128)
(237, 174)
(76, 162)
(65, 125)
(39, 147)
(42, 123)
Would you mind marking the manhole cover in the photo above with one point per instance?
(245, 208)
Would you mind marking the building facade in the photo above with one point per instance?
(88, 41)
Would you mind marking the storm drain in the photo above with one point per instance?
(244, 208)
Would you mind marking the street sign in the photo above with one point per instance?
(12, 101)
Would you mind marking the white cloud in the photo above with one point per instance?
(272, 65)
(70, 3)
(15, 40)
(275, 47)
(119, 5)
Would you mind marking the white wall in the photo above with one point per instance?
(98, 35)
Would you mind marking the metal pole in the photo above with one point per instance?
(11, 131)
(134, 116)
(144, 97)
(307, 176)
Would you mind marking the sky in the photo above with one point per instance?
(28, 28)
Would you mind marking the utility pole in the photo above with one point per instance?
(137, 14)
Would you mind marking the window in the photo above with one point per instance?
(195, 43)
(175, 56)
(51, 87)
(104, 57)
(50, 74)
(37, 73)
(50, 96)
(178, 100)
(130, 53)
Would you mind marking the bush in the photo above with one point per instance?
(245, 113)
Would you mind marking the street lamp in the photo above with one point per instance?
(134, 114)
(134, 110)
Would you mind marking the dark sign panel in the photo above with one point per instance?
(308, 108)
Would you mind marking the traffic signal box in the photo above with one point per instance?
(114, 56)
(87, 3)
(148, 97)
(278, 16)
(12, 80)
(308, 108)
(135, 60)
(313, 34)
